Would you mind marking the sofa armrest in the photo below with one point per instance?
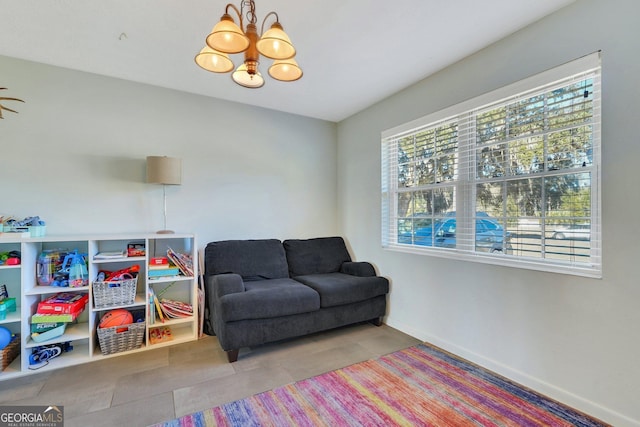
(224, 284)
(361, 268)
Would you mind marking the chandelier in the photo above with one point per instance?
(228, 38)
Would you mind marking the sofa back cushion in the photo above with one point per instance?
(315, 256)
(251, 259)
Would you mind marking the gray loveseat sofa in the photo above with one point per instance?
(259, 291)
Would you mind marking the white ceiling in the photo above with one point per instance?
(353, 52)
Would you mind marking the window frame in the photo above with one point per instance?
(466, 180)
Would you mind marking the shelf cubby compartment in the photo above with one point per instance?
(181, 331)
(72, 332)
(77, 355)
(12, 317)
(10, 277)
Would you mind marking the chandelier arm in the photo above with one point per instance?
(265, 20)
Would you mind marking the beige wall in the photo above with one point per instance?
(574, 338)
(75, 155)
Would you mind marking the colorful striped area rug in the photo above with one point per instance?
(418, 386)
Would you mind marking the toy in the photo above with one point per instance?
(10, 258)
(49, 334)
(125, 273)
(42, 354)
(48, 266)
(5, 337)
(9, 304)
(75, 266)
(136, 249)
(59, 267)
(27, 222)
(117, 317)
(63, 303)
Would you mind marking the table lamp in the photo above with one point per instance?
(166, 171)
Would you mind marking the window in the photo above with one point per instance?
(511, 177)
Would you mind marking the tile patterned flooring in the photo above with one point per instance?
(157, 385)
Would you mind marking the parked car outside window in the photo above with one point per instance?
(490, 235)
(575, 232)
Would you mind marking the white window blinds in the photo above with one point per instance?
(511, 177)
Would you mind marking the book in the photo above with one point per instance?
(164, 272)
(158, 307)
(110, 255)
(176, 309)
(183, 261)
(152, 307)
(160, 266)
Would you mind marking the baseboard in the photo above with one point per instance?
(561, 395)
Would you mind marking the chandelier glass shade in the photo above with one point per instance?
(212, 60)
(251, 80)
(286, 70)
(275, 43)
(229, 38)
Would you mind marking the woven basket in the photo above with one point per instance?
(110, 294)
(121, 338)
(10, 352)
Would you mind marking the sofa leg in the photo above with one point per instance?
(232, 355)
(377, 321)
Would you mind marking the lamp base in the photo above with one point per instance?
(165, 232)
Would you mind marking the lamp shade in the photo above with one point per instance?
(164, 170)
(286, 70)
(243, 78)
(227, 37)
(275, 43)
(214, 61)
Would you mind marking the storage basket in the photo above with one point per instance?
(10, 352)
(117, 292)
(121, 338)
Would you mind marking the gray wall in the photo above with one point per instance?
(574, 338)
(75, 155)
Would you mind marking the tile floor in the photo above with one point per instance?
(158, 385)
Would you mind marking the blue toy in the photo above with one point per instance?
(42, 354)
(5, 337)
(75, 267)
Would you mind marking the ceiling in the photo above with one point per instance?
(354, 53)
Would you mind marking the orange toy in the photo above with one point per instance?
(117, 317)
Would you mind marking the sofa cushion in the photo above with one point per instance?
(264, 299)
(315, 256)
(339, 288)
(251, 259)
